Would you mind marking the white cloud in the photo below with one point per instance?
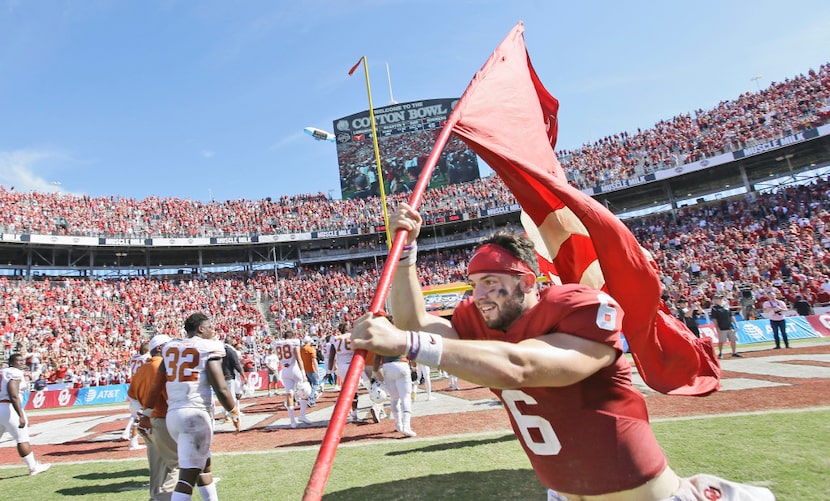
(207, 153)
(19, 169)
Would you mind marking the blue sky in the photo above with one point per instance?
(200, 99)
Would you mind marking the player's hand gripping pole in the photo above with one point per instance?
(322, 466)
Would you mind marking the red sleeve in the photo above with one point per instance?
(588, 313)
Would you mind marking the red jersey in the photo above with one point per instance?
(589, 438)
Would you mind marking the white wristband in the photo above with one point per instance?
(409, 255)
(430, 348)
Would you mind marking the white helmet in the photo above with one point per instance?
(378, 393)
(303, 390)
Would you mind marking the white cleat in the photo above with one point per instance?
(39, 468)
(305, 420)
(294, 424)
(408, 432)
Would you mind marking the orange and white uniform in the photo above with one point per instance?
(189, 397)
(291, 372)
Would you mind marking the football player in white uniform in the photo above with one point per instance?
(12, 417)
(292, 373)
(130, 433)
(192, 366)
(272, 363)
(340, 357)
(421, 374)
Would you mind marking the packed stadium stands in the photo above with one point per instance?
(779, 110)
(83, 330)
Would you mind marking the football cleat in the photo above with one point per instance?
(39, 468)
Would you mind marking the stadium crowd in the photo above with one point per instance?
(83, 331)
(781, 109)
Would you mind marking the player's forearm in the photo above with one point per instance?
(488, 363)
(407, 300)
(213, 371)
(554, 360)
(225, 397)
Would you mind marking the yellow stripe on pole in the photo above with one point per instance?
(377, 155)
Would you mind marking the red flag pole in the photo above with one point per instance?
(322, 466)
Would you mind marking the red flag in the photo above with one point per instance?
(351, 71)
(509, 119)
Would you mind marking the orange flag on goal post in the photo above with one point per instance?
(509, 119)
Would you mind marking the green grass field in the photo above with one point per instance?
(786, 451)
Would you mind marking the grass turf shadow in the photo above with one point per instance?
(454, 445)
(495, 485)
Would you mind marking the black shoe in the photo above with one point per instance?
(777, 348)
(737, 355)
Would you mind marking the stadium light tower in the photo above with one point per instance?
(755, 79)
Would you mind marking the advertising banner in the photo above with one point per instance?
(111, 394)
(49, 399)
(821, 324)
(776, 143)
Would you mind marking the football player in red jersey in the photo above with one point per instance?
(555, 360)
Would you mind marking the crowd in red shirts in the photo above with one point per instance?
(83, 331)
(782, 109)
(777, 241)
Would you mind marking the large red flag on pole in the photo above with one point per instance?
(509, 119)
(322, 465)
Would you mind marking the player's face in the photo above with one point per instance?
(498, 297)
(206, 330)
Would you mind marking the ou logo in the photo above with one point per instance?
(825, 321)
(40, 398)
(254, 380)
(63, 397)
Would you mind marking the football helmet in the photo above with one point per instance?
(303, 390)
(378, 393)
